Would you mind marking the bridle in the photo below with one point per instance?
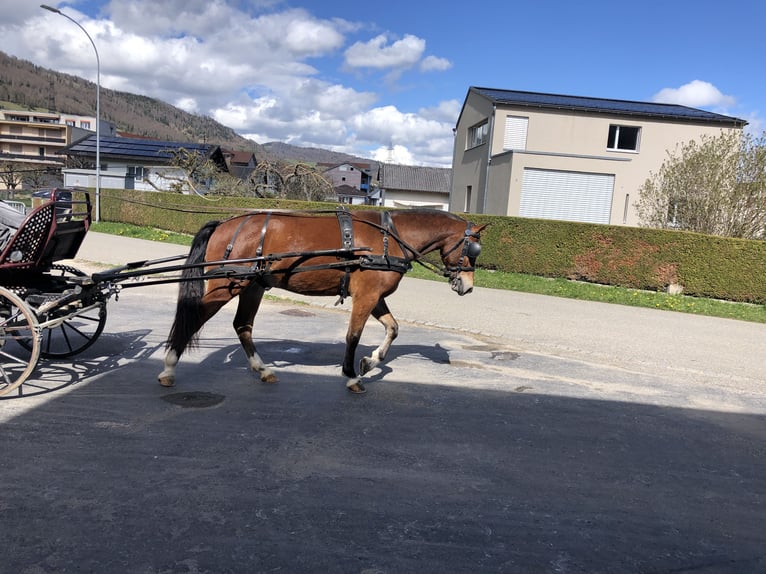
(471, 250)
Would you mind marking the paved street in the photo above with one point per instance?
(506, 433)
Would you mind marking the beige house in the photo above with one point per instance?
(565, 157)
(37, 137)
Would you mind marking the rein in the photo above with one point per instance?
(471, 249)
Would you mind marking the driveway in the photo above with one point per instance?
(506, 433)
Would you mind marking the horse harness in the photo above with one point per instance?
(349, 257)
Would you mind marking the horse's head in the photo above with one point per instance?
(459, 257)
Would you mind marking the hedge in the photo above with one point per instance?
(639, 258)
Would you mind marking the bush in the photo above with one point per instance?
(639, 258)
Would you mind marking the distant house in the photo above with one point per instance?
(131, 163)
(356, 176)
(241, 163)
(413, 186)
(570, 158)
(351, 195)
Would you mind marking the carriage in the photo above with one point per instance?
(49, 309)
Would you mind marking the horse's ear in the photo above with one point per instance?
(480, 228)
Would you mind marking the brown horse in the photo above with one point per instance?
(361, 254)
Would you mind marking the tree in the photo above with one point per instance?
(716, 186)
(266, 180)
(10, 176)
(189, 171)
(304, 182)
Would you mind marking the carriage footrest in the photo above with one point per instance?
(44, 302)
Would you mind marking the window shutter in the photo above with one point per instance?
(566, 195)
(515, 136)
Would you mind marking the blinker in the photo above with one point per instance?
(473, 249)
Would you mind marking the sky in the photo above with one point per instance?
(387, 80)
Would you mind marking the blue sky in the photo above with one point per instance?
(368, 78)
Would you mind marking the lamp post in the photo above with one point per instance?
(98, 107)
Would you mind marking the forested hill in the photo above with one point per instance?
(33, 87)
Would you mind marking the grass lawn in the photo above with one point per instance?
(530, 284)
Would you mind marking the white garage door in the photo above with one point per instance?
(566, 195)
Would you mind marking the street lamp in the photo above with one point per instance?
(98, 107)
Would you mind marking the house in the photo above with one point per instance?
(351, 195)
(133, 163)
(349, 175)
(36, 137)
(565, 157)
(241, 163)
(412, 186)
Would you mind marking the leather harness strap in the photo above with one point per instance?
(346, 224)
(230, 246)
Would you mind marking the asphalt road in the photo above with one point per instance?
(506, 433)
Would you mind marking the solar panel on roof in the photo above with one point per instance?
(602, 105)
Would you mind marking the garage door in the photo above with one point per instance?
(566, 195)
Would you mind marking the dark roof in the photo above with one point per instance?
(602, 105)
(132, 148)
(242, 157)
(414, 178)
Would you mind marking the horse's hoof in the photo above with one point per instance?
(269, 378)
(357, 389)
(167, 381)
(365, 366)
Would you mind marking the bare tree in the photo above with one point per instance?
(716, 186)
(10, 175)
(188, 171)
(266, 180)
(304, 182)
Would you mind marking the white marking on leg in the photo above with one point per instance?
(167, 376)
(258, 366)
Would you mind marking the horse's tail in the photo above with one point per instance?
(188, 320)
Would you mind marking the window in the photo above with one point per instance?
(41, 151)
(515, 136)
(70, 123)
(477, 135)
(84, 125)
(468, 190)
(623, 138)
(137, 172)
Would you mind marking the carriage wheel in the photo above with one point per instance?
(75, 334)
(17, 323)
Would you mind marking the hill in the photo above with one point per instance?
(32, 87)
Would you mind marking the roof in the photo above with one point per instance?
(415, 178)
(602, 105)
(132, 148)
(242, 157)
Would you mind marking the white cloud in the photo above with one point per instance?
(250, 69)
(397, 154)
(445, 111)
(377, 53)
(696, 94)
(432, 63)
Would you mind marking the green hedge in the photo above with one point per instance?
(640, 258)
